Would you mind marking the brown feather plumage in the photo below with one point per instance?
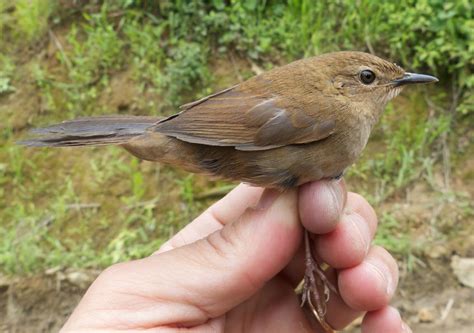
(301, 122)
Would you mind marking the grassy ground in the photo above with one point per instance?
(93, 207)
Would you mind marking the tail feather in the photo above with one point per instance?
(94, 131)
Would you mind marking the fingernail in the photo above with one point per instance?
(267, 199)
(360, 227)
(336, 190)
(282, 206)
(385, 276)
(321, 205)
(284, 209)
(406, 328)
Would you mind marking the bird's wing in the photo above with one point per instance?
(245, 120)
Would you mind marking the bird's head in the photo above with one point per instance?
(364, 78)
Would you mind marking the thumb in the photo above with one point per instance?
(217, 273)
(205, 279)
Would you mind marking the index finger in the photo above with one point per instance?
(321, 204)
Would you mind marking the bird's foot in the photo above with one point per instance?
(316, 287)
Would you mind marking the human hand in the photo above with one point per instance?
(235, 267)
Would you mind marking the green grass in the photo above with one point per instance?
(26, 23)
(94, 207)
(394, 238)
(407, 135)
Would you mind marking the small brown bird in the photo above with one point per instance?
(302, 122)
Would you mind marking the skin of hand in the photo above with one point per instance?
(235, 268)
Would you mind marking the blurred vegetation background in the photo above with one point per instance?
(92, 207)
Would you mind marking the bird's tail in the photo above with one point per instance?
(95, 131)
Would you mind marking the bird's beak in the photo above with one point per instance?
(411, 78)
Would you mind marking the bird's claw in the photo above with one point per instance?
(314, 281)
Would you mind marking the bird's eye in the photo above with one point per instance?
(367, 76)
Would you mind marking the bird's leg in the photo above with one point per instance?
(314, 282)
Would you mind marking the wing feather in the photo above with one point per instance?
(244, 119)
